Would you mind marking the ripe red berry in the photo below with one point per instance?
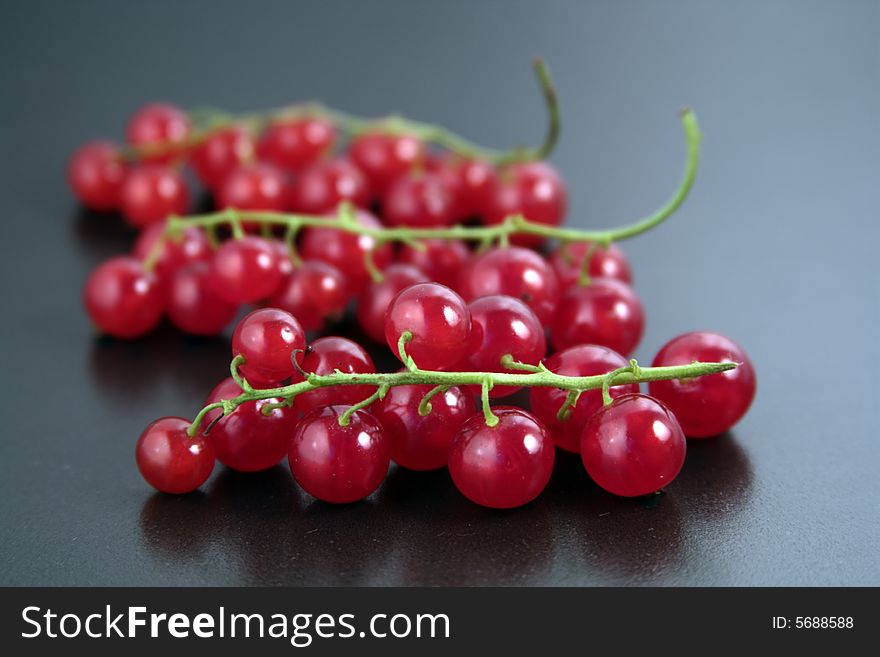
(314, 292)
(421, 200)
(346, 251)
(532, 189)
(706, 405)
(503, 325)
(321, 187)
(95, 173)
(293, 144)
(245, 270)
(246, 439)
(123, 299)
(192, 304)
(567, 262)
(256, 186)
(634, 446)
(477, 180)
(338, 464)
(220, 154)
(605, 312)
(438, 320)
(382, 157)
(151, 193)
(504, 466)
(169, 460)
(582, 360)
(422, 442)
(268, 339)
(375, 299)
(191, 246)
(515, 272)
(325, 356)
(282, 253)
(440, 260)
(159, 125)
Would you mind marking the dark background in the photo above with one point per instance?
(775, 247)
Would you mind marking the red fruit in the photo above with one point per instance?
(123, 299)
(438, 320)
(382, 157)
(421, 200)
(159, 125)
(151, 193)
(325, 356)
(633, 447)
(706, 405)
(245, 270)
(477, 180)
(255, 186)
(191, 246)
(422, 442)
(515, 272)
(246, 439)
(282, 253)
(338, 464)
(346, 251)
(503, 325)
(441, 260)
(292, 145)
(567, 262)
(192, 304)
(268, 338)
(504, 466)
(374, 301)
(314, 293)
(220, 154)
(169, 460)
(320, 188)
(583, 360)
(606, 312)
(95, 173)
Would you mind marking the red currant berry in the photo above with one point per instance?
(339, 464)
(374, 301)
(346, 251)
(158, 125)
(325, 356)
(314, 293)
(632, 447)
(191, 246)
(323, 186)
(255, 186)
(515, 272)
(151, 193)
(383, 157)
(605, 312)
(245, 270)
(247, 439)
(441, 260)
(706, 405)
(169, 460)
(422, 442)
(583, 360)
(192, 304)
(438, 320)
(95, 173)
(420, 200)
(567, 262)
(532, 189)
(283, 253)
(292, 145)
(504, 466)
(123, 299)
(503, 325)
(268, 339)
(478, 179)
(221, 154)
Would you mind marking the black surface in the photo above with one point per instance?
(776, 247)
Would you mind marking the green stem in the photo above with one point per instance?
(544, 378)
